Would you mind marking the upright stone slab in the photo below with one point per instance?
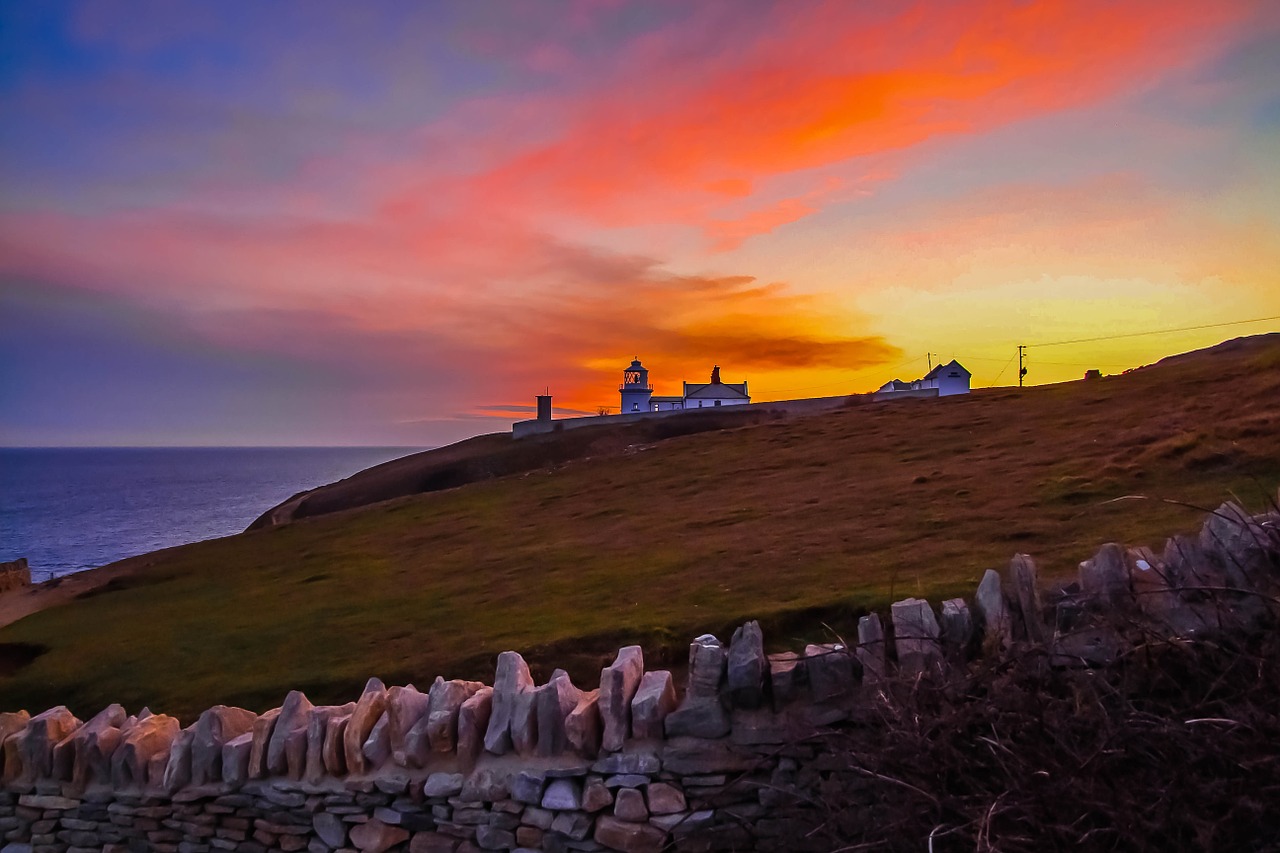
(235, 760)
(702, 712)
(263, 728)
(370, 707)
(406, 707)
(556, 700)
(293, 717)
(957, 628)
(747, 667)
(1238, 544)
(376, 748)
(582, 727)
(473, 721)
(177, 771)
(618, 685)
(524, 724)
(1105, 577)
(655, 699)
(1026, 586)
(871, 647)
(214, 728)
(915, 636)
(37, 739)
(12, 724)
(510, 680)
(997, 625)
(335, 743)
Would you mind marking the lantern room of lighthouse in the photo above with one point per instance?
(635, 388)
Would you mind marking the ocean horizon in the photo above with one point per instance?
(67, 509)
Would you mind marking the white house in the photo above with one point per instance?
(948, 379)
(637, 393)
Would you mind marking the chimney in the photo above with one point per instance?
(544, 407)
(715, 375)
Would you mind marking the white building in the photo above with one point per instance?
(948, 379)
(637, 393)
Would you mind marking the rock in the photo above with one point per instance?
(997, 624)
(576, 825)
(406, 707)
(747, 667)
(618, 684)
(177, 771)
(330, 828)
(442, 785)
(377, 746)
(702, 761)
(582, 726)
(871, 647)
(432, 842)
(263, 728)
(562, 795)
(701, 713)
(213, 729)
(916, 633)
(510, 680)
(490, 785)
(370, 707)
(374, 836)
(596, 795)
(639, 763)
(335, 737)
(234, 760)
(832, 671)
(629, 837)
(957, 628)
(665, 798)
(492, 838)
(1026, 592)
(655, 698)
(37, 739)
(473, 721)
(555, 701)
(629, 805)
(146, 740)
(92, 744)
(787, 679)
(527, 787)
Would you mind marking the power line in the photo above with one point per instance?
(1157, 332)
(1003, 369)
(847, 379)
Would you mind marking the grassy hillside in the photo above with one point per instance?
(794, 522)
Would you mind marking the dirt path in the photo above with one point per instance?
(16, 604)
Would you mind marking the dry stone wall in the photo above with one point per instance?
(627, 766)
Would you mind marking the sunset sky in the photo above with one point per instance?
(395, 222)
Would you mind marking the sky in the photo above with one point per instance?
(286, 223)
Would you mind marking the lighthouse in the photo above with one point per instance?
(635, 388)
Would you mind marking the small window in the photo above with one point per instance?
(717, 402)
(635, 407)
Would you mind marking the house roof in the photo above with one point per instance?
(708, 391)
(896, 385)
(932, 374)
(657, 399)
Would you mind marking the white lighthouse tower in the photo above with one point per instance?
(635, 388)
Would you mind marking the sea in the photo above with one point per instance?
(71, 509)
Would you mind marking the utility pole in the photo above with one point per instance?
(929, 356)
(1022, 371)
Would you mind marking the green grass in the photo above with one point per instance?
(797, 523)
